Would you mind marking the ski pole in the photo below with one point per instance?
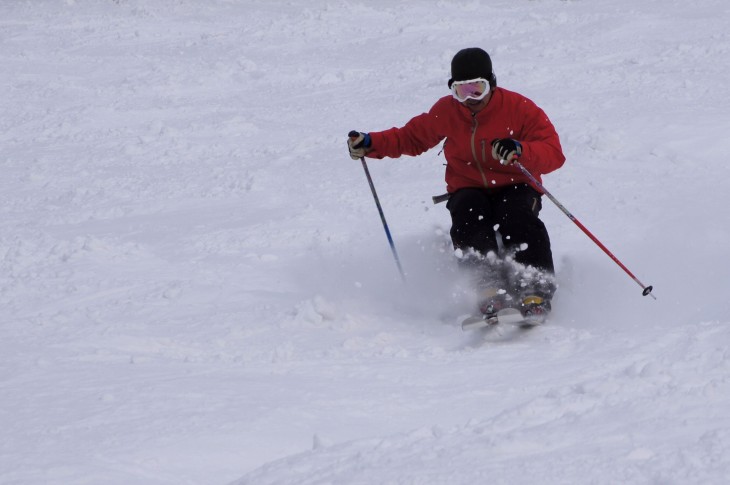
(354, 134)
(535, 182)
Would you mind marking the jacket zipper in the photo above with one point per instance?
(474, 125)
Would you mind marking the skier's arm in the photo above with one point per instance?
(541, 150)
(420, 134)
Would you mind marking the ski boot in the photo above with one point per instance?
(535, 309)
(492, 300)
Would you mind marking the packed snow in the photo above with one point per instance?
(196, 287)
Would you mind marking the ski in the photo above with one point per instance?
(507, 316)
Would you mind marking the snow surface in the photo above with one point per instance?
(196, 287)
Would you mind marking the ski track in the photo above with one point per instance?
(196, 287)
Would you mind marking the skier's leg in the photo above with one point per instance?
(472, 232)
(472, 221)
(525, 236)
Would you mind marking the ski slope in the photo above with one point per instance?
(196, 287)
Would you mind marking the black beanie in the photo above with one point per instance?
(471, 63)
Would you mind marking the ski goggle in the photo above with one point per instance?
(476, 89)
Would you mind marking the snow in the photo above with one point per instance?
(196, 286)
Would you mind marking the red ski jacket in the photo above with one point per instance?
(468, 149)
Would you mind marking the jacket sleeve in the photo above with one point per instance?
(420, 134)
(541, 150)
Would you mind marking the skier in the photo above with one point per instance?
(496, 231)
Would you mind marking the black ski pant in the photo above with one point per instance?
(478, 214)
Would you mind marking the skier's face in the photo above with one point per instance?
(476, 89)
(477, 105)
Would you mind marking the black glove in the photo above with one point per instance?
(358, 144)
(506, 150)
